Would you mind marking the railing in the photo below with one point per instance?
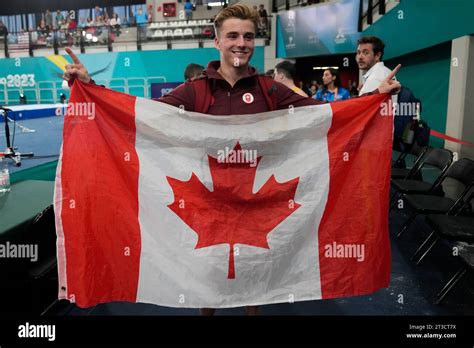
(109, 36)
(367, 8)
(285, 5)
(50, 91)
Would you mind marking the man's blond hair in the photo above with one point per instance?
(240, 11)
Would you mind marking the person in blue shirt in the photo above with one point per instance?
(332, 90)
(141, 20)
(188, 9)
(98, 12)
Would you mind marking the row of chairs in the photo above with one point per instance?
(450, 218)
(183, 24)
(188, 32)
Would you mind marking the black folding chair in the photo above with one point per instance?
(408, 173)
(461, 171)
(404, 150)
(42, 275)
(439, 158)
(451, 227)
(466, 255)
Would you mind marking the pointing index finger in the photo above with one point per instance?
(73, 56)
(393, 73)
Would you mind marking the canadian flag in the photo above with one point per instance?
(159, 205)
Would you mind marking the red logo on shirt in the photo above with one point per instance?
(247, 98)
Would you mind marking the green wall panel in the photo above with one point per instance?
(426, 73)
(418, 24)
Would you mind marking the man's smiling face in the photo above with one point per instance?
(236, 42)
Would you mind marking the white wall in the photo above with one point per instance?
(460, 118)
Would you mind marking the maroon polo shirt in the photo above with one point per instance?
(229, 100)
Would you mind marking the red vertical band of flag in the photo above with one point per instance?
(359, 145)
(99, 183)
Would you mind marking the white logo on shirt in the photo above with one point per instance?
(247, 98)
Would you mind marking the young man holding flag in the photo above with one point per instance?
(230, 86)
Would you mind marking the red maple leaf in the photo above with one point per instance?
(232, 213)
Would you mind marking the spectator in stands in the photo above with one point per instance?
(42, 34)
(99, 22)
(141, 17)
(131, 20)
(115, 21)
(150, 15)
(332, 89)
(115, 26)
(100, 32)
(262, 13)
(63, 27)
(72, 25)
(71, 30)
(188, 10)
(285, 73)
(90, 22)
(106, 19)
(98, 12)
(369, 56)
(3, 30)
(192, 70)
(48, 19)
(42, 29)
(141, 20)
(82, 23)
(59, 19)
(259, 28)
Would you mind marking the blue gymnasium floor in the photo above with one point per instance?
(417, 284)
(42, 136)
